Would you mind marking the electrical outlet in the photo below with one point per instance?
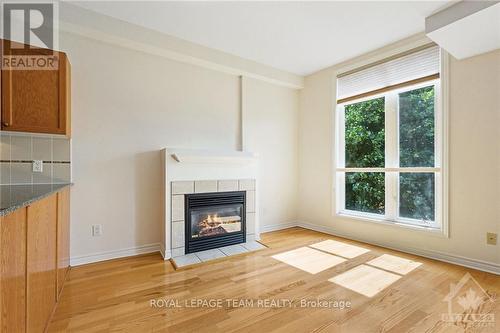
(37, 166)
(491, 238)
(96, 230)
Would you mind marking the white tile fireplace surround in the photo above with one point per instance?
(194, 171)
(180, 188)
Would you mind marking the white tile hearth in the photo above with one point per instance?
(210, 254)
(227, 185)
(223, 252)
(186, 260)
(205, 186)
(232, 250)
(253, 246)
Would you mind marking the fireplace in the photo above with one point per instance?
(214, 220)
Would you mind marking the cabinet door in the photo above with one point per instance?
(41, 263)
(62, 237)
(13, 271)
(36, 100)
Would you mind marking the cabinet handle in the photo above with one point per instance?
(6, 124)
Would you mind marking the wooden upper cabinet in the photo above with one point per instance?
(36, 100)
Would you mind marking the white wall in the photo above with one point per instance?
(474, 166)
(127, 105)
(270, 115)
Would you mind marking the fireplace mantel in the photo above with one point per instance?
(212, 156)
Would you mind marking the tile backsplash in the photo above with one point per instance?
(17, 151)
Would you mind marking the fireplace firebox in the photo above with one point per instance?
(214, 220)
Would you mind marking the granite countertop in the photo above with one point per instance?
(13, 197)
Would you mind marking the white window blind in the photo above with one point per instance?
(416, 64)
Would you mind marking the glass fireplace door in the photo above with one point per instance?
(216, 220)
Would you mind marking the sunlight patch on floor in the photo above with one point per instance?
(394, 264)
(339, 248)
(365, 280)
(309, 260)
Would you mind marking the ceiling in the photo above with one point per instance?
(298, 37)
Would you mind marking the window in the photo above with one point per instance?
(388, 164)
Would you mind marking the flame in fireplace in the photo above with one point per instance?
(214, 224)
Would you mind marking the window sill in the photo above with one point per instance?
(372, 219)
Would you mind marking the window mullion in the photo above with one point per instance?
(341, 137)
(340, 160)
(391, 155)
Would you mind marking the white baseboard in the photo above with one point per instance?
(275, 227)
(446, 257)
(115, 254)
(165, 254)
(162, 250)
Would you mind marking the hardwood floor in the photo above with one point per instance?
(395, 292)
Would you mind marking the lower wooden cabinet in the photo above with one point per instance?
(62, 238)
(13, 272)
(34, 254)
(41, 263)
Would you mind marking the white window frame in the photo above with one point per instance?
(391, 169)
